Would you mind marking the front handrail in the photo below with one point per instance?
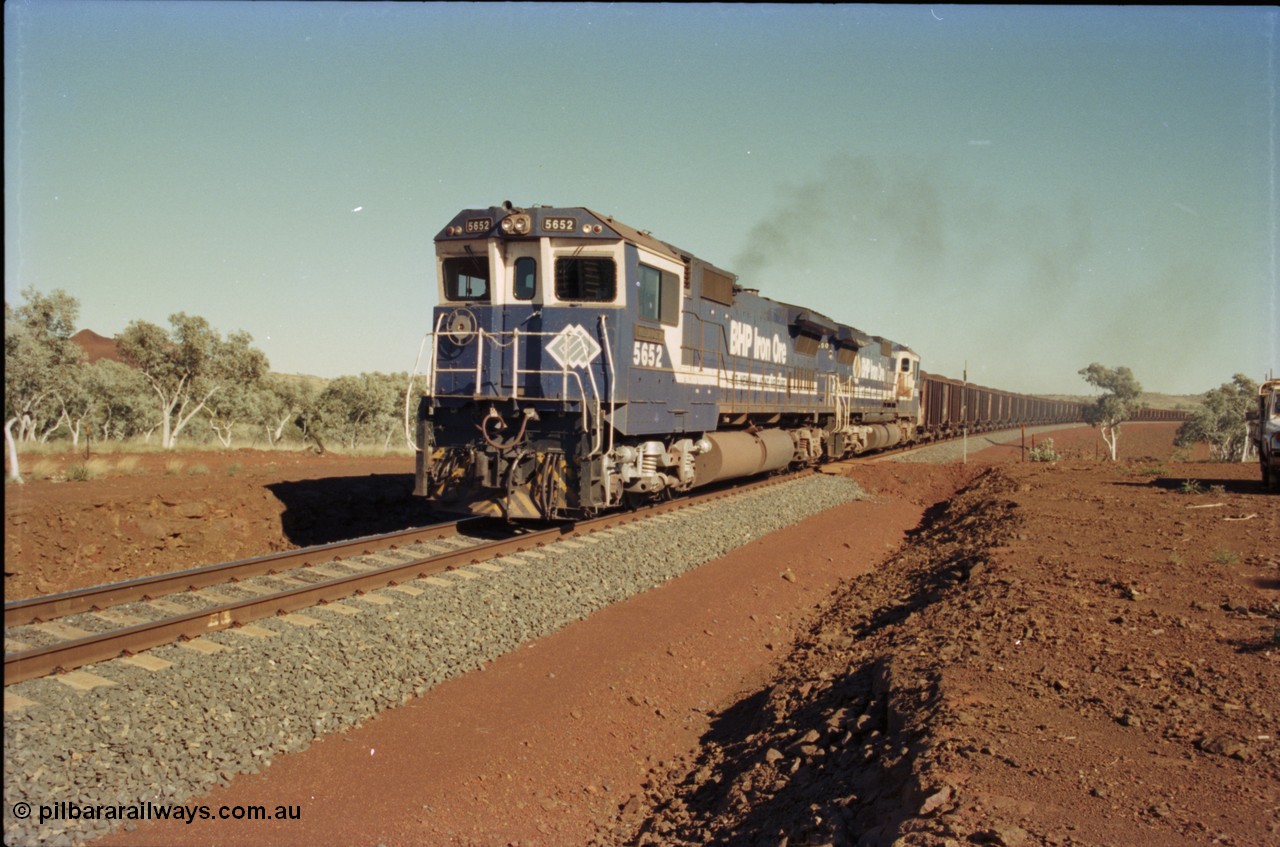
(573, 389)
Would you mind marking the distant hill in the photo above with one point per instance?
(1179, 402)
(97, 346)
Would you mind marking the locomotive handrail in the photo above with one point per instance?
(408, 393)
(567, 396)
(515, 360)
(841, 399)
(480, 362)
(613, 382)
(435, 355)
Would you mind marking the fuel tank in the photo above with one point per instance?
(735, 454)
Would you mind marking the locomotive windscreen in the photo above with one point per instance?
(466, 278)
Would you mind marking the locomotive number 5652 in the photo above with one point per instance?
(646, 354)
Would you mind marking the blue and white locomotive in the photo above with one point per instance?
(577, 364)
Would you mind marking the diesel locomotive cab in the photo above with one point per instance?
(518, 374)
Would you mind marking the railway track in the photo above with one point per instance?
(44, 635)
(61, 632)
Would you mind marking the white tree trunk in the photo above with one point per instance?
(14, 474)
(279, 430)
(184, 416)
(165, 440)
(57, 425)
(167, 406)
(1110, 435)
(222, 430)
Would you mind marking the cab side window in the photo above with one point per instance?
(659, 295)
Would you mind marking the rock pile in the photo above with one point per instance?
(1028, 669)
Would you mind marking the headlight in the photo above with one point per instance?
(517, 224)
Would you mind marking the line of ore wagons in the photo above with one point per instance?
(950, 404)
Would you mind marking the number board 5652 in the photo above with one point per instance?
(647, 355)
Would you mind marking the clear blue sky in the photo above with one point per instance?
(1026, 190)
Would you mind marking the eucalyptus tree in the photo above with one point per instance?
(356, 409)
(278, 402)
(1116, 405)
(1220, 419)
(120, 402)
(40, 363)
(189, 364)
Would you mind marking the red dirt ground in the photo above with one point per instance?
(157, 512)
(1076, 654)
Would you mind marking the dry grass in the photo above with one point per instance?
(128, 465)
(366, 451)
(96, 448)
(46, 469)
(87, 470)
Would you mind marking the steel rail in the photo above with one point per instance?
(33, 609)
(38, 609)
(67, 655)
